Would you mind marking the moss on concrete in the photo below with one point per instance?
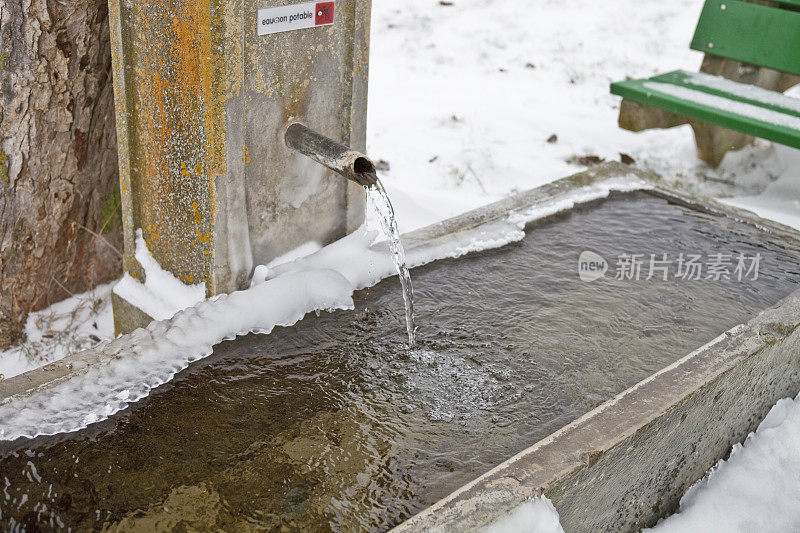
(111, 212)
(3, 156)
(4, 168)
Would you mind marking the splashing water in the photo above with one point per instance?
(379, 200)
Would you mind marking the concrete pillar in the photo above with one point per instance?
(202, 101)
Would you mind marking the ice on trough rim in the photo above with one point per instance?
(149, 357)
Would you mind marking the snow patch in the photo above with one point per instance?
(66, 327)
(780, 201)
(152, 356)
(586, 194)
(298, 253)
(162, 294)
(261, 272)
(743, 90)
(723, 104)
(536, 516)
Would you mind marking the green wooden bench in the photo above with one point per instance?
(738, 37)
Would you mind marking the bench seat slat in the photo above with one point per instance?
(740, 92)
(762, 35)
(757, 120)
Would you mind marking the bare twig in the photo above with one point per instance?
(62, 286)
(478, 179)
(98, 236)
(35, 301)
(103, 227)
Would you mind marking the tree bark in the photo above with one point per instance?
(59, 192)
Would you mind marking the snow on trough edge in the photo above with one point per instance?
(325, 280)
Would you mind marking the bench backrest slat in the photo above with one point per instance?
(752, 33)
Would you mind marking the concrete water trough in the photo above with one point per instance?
(610, 396)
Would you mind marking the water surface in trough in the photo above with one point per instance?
(334, 425)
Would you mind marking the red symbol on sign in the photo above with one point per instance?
(324, 13)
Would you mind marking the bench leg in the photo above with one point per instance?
(713, 142)
(637, 117)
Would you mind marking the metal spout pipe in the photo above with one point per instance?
(353, 165)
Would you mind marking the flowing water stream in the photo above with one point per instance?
(379, 200)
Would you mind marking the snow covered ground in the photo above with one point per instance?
(71, 325)
(464, 98)
(473, 100)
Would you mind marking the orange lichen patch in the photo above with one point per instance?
(197, 217)
(170, 40)
(186, 278)
(203, 238)
(153, 234)
(211, 32)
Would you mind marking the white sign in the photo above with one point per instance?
(295, 17)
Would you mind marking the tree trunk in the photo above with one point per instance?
(59, 193)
